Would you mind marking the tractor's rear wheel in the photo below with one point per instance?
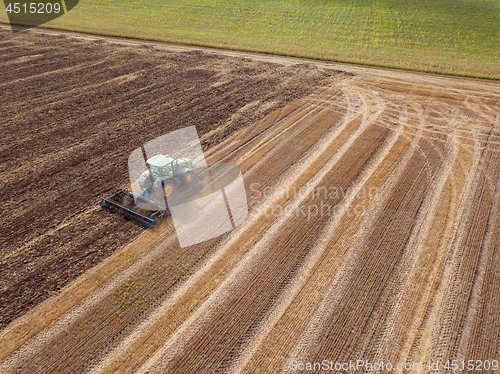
(168, 188)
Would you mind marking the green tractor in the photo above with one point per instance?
(166, 174)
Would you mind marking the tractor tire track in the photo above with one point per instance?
(473, 246)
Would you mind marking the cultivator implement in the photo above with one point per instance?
(124, 203)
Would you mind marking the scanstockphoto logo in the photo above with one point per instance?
(34, 13)
(322, 201)
(170, 172)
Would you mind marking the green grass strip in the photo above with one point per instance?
(457, 37)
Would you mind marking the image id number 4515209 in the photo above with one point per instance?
(33, 8)
(471, 365)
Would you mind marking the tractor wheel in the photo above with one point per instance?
(188, 176)
(168, 188)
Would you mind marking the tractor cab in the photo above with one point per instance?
(161, 166)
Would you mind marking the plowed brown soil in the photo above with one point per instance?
(406, 270)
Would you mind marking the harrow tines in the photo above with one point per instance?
(111, 204)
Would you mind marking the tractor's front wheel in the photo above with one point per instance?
(187, 176)
(168, 188)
